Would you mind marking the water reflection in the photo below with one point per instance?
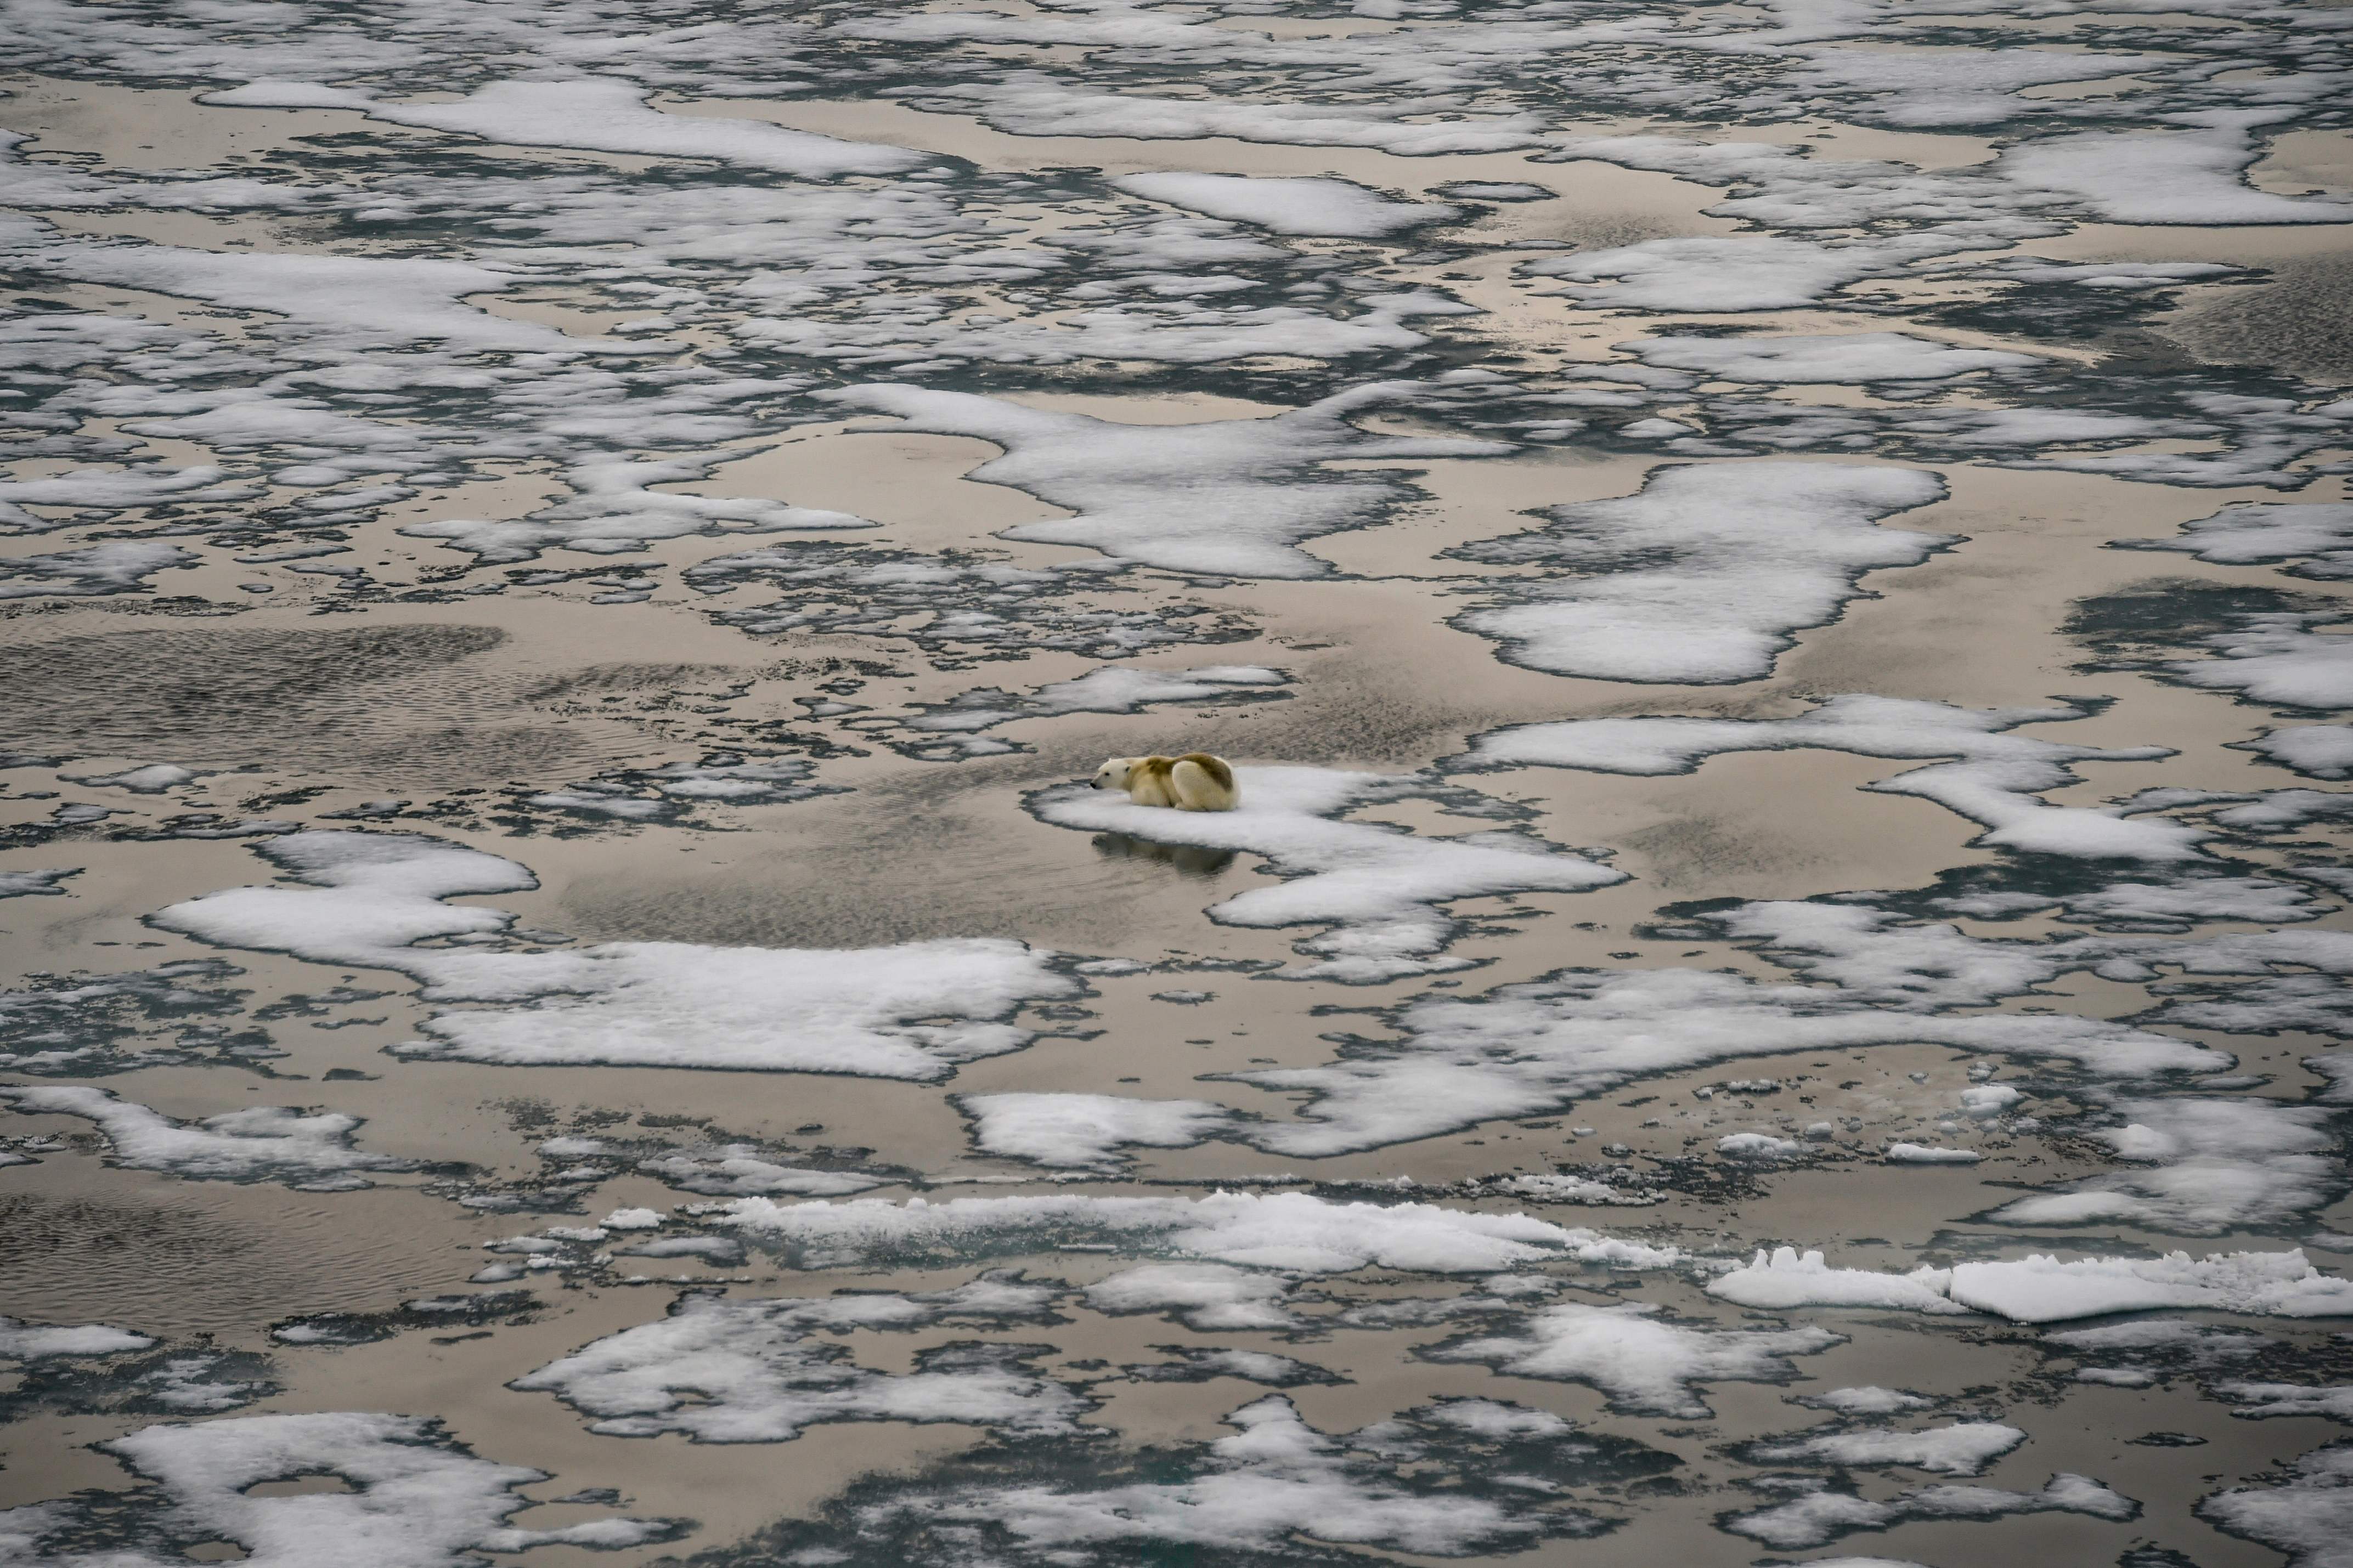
(1192, 859)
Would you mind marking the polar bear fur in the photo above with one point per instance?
(1194, 782)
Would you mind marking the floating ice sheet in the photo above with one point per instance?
(1642, 1362)
(1994, 780)
(371, 899)
(1225, 496)
(1703, 576)
(261, 1142)
(414, 1495)
(1293, 1231)
(731, 1370)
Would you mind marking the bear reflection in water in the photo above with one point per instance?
(1192, 859)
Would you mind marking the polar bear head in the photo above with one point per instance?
(1114, 774)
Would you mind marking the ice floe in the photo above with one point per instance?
(1295, 1231)
(2304, 1516)
(261, 1142)
(740, 1370)
(1959, 1448)
(1786, 1280)
(1815, 1518)
(1086, 1129)
(2039, 1289)
(1455, 1478)
(414, 1494)
(2203, 1165)
(370, 900)
(1641, 1362)
(1205, 1295)
(1221, 497)
(1310, 206)
(1851, 357)
(1703, 575)
(1994, 778)
(598, 114)
(21, 1341)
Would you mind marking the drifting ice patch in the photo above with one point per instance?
(598, 114)
(2277, 659)
(1074, 1131)
(2316, 750)
(262, 1142)
(613, 510)
(116, 566)
(1380, 886)
(1821, 1517)
(2042, 1290)
(1291, 1231)
(1786, 1280)
(20, 1341)
(1928, 1154)
(1639, 1363)
(2211, 1165)
(2317, 537)
(2307, 1517)
(1299, 206)
(416, 1498)
(1852, 357)
(1962, 1448)
(2179, 177)
(736, 1171)
(103, 489)
(344, 301)
(1534, 1047)
(731, 1370)
(372, 898)
(2039, 1289)
(36, 884)
(2262, 1401)
(1456, 1479)
(1112, 689)
(1192, 1363)
(1711, 273)
(1757, 1146)
(1994, 781)
(1224, 497)
(1205, 1295)
(1702, 577)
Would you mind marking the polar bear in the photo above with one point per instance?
(1194, 782)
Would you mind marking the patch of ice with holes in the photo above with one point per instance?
(414, 1497)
